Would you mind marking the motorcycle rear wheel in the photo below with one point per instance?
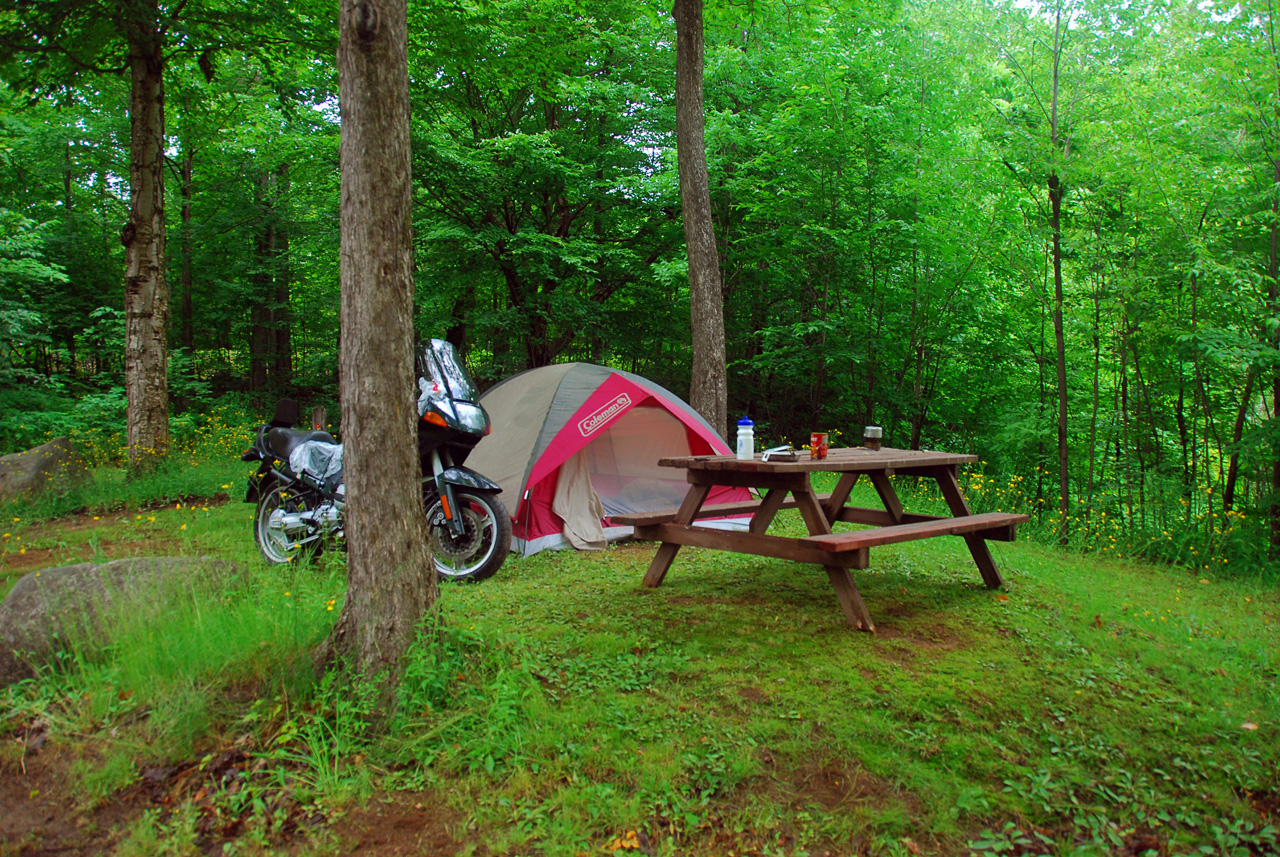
(279, 539)
(480, 552)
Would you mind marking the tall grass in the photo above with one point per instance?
(203, 462)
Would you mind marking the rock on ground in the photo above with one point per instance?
(52, 466)
(50, 606)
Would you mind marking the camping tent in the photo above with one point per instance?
(576, 443)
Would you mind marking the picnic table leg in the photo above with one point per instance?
(888, 496)
(839, 496)
(667, 551)
(850, 598)
(769, 506)
(815, 518)
(982, 557)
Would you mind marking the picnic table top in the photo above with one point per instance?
(848, 460)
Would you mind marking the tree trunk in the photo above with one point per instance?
(282, 313)
(1060, 345)
(1059, 336)
(188, 337)
(391, 578)
(1093, 416)
(709, 388)
(261, 332)
(146, 291)
(1237, 432)
(1273, 300)
(68, 201)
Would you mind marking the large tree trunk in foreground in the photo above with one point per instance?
(146, 291)
(391, 579)
(709, 390)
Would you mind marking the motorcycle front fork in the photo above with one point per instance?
(440, 461)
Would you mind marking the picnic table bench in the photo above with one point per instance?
(788, 485)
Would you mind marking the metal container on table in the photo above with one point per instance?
(818, 445)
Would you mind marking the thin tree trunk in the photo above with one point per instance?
(281, 311)
(146, 291)
(68, 200)
(1273, 299)
(187, 335)
(1055, 226)
(1143, 398)
(1124, 422)
(1093, 416)
(1041, 395)
(709, 386)
(1237, 432)
(261, 340)
(1064, 484)
(391, 578)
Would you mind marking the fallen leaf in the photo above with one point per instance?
(1222, 672)
(1204, 581)
(911, 845)
(1250, 725)
(1002, 597)
(1097, 621)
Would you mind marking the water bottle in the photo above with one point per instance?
(746, 439)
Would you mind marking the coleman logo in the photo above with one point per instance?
(600, 418)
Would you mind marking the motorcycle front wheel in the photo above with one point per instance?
(278, 529)
(481, 550)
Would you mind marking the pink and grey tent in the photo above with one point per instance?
(575, 443)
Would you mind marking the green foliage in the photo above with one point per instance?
(24, 276)
(878, 175)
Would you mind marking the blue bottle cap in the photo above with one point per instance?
(745, 421)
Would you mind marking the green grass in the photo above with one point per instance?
(1093, 706)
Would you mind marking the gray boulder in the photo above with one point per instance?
(49, 608)
(52, 466)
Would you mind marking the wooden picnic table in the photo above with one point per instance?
(788, 485)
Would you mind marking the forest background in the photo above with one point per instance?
(895, 186)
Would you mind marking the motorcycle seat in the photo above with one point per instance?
(283, 441)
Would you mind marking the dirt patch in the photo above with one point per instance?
(833, 785)
(18, 556)
(1144, 840)
(752, 694)
(39, 814)
(1267, 803)
(933, 636)
(404, 824)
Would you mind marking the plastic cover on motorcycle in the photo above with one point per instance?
(322, 460)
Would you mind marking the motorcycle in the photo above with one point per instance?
(300, 495)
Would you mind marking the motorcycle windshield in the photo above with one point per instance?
(442, 363)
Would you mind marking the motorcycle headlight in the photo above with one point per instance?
(472, 417)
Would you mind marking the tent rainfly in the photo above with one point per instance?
(575, 443)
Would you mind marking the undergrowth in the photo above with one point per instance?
(1091, 706)
(1098, 704)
